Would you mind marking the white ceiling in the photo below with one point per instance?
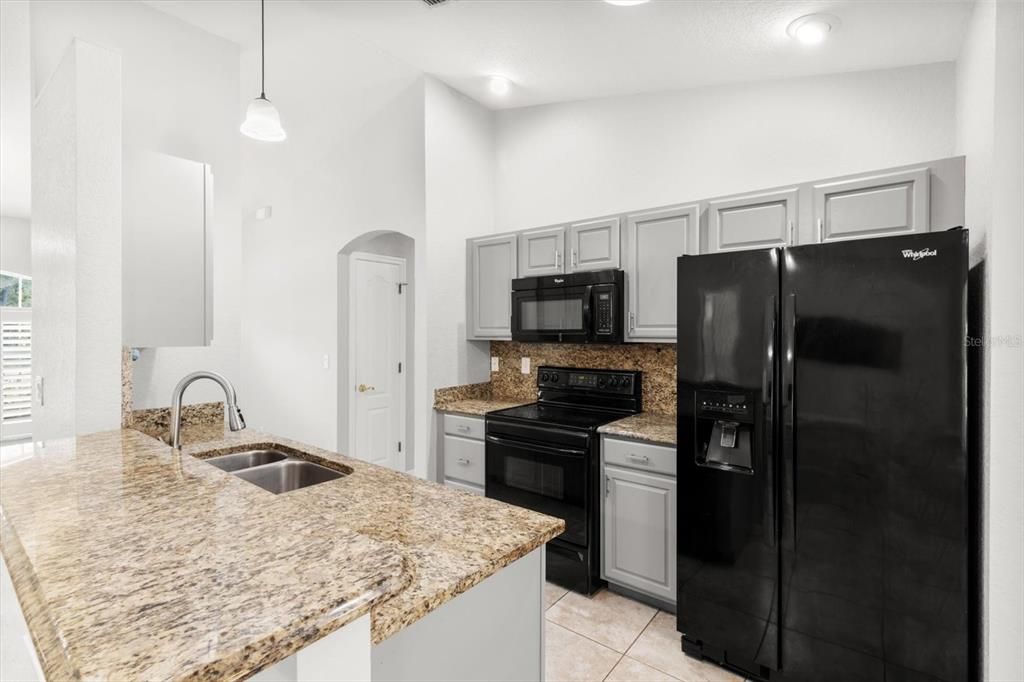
(559, 50)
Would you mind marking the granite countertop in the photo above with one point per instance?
(473, 399)
(133, 561)
(649, 426)
(477, 407)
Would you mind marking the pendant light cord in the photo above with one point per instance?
(263, 55)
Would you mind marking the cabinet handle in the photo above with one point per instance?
(643, 459)
(574, 261)
(821, 231)
(607, 486)
(558, 260)
(632, 322)
(462, 460)
(792, 234)
(462, 429)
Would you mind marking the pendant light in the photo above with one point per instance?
(262, 122)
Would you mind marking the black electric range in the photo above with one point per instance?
(546, 456)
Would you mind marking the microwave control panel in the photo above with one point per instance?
(604, 311)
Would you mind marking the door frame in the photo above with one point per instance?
(350, 379)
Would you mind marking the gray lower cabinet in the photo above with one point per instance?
(491, 267)
(593, 245)
(654, 240)
(542, 252)
(752, 221)
(462, 453)
(639, 530)
(879, 205)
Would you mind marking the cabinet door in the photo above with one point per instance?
(167, 281)
(492, 267)
(654, 239)
(872, 206)
(594, 245)
(640, 532)
(541, 252)
(753, 221)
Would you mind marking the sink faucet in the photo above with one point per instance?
(235, 419)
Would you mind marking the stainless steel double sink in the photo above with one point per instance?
(275, 470)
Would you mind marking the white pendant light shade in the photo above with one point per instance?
(262, 122)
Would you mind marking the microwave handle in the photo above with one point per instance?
(588, 299)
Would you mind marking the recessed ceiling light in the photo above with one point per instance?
(499, 85)
(626, 3)
(812, 29)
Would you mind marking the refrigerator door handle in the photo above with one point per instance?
(769, 352)
(768, 434)
(789, 410)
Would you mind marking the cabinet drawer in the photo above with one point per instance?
(465, 487)
(643, 456)
(467, 427)
(464, 459)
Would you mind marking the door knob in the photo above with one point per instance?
(363, 388)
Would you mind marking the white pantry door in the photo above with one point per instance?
(377, 359)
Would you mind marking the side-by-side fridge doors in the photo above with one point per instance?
(728, 587)
(873, 470)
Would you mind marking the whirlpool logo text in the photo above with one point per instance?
(918, 255)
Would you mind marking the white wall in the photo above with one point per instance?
(460, 164)
(580, 159)
(990, 132)
(76, 244)
(180, 88)
(15, 245)
(15, 109)
(353, 163)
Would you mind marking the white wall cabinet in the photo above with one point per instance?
(639, 525)
(167, 278)
(593, 245)
(752, 221)
(654, 240)
(879, 205)
(542, 252)
(491, 269)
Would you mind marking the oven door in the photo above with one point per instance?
(558, 314)
(550, 479)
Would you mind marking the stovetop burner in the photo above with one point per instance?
(560, 415)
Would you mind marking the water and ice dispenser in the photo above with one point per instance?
(725, 424)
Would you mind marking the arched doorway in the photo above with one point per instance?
(376, 334)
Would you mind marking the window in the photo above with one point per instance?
(15, 355)
(15, 290)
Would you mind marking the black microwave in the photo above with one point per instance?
(584, 307)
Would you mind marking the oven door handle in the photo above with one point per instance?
(564, 452)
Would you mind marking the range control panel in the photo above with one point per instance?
(590, 380)
(719, 404)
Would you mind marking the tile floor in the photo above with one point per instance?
(610, 637)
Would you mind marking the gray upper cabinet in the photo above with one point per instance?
(491, 268)
(593, 245)
(639, 523)
(872, 206)
(654, 239)
(752, 221)
(167, 277)
(542, 252)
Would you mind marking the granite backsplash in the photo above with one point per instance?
(656, 360)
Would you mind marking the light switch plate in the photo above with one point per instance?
(525, 368)
(494, 363)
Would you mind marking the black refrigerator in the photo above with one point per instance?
(824, 516)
